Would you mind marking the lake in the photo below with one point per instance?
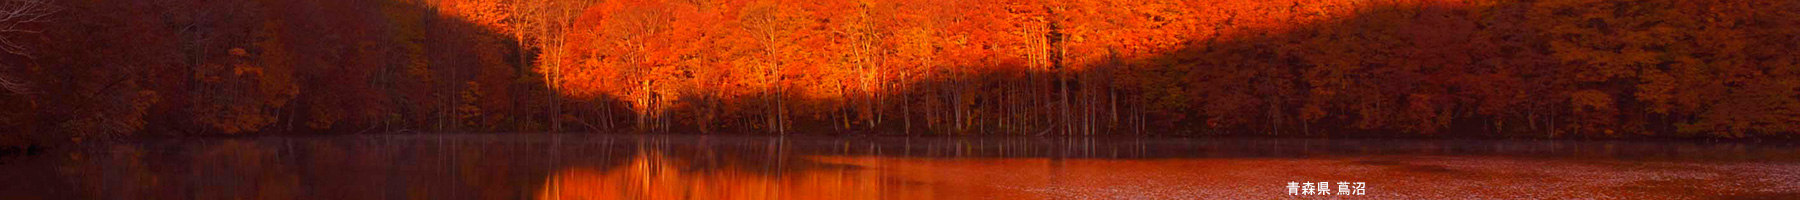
(608, 166)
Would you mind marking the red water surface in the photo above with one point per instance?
(495, 166)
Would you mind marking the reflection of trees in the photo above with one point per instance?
(358, 168)
(472, 167)
(653, 175)
(670, 167)
(226, 170)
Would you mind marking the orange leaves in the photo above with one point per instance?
(484, 13)
(1594, 112)
(1424, 113)
(1590, 100)
(243, 97)
(469, 113)
(1015, 67)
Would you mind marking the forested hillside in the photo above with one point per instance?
(1543, 68)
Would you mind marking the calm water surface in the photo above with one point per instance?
(601, 166)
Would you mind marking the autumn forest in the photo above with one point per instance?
(95, 69)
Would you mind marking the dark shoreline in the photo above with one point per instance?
(1764, 139)
(1060, 146)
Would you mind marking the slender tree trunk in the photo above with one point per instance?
(906, 114)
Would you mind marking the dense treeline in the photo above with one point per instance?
(1548, 68)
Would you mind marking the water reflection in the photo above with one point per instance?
(651, 175)
(491, 166)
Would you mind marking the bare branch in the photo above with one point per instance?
(14, 14)
(14, 86)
